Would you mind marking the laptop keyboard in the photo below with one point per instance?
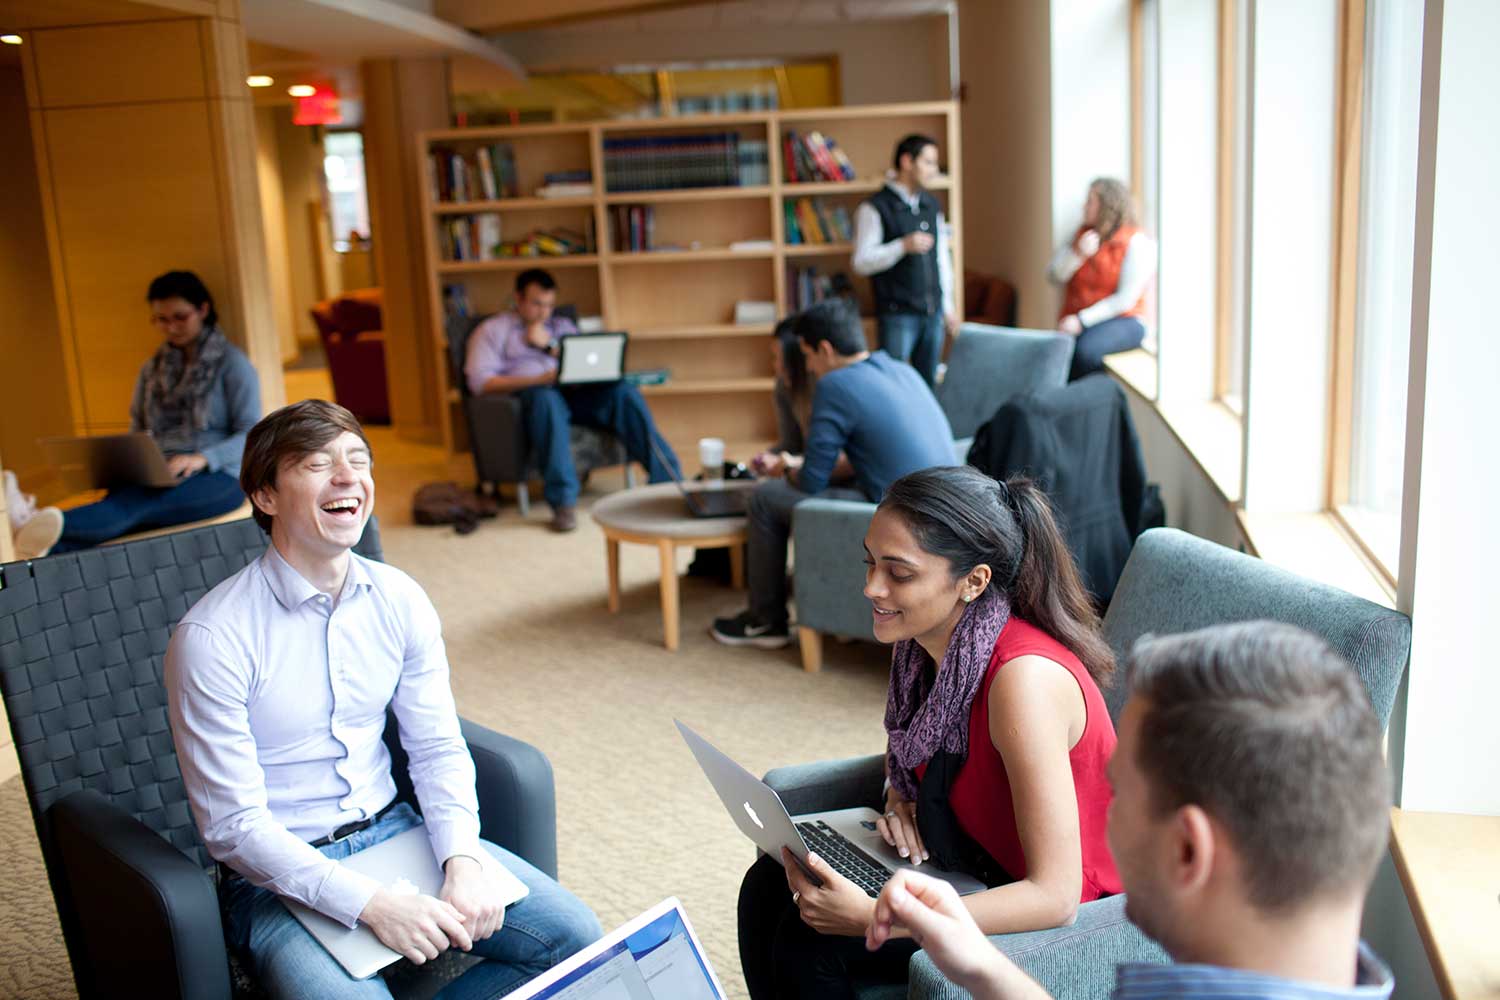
(844, 857)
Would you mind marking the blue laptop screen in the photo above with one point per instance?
(657, 962)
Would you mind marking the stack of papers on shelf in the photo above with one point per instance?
(748, 312)
(750, 246)
(590, 324)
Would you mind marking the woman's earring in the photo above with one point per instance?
(968, 598)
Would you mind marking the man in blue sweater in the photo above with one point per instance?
(869, 411)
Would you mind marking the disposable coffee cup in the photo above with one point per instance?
(711, 451)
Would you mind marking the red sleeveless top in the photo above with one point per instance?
(1099, 276)
(981, 796)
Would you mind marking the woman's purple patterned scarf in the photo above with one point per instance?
(926, 714)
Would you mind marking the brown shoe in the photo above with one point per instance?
(564, 519)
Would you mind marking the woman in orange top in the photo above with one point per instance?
(1104, 270)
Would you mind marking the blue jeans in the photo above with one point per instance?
(548, 411)
(541, 930)
(1123, 333)
(141, 508)
(915, 339)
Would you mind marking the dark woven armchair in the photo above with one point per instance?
(82, 637)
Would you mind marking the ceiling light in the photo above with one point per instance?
(302, 90)
(258, 81)
(11, 39)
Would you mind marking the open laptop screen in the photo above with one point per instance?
(654, 957)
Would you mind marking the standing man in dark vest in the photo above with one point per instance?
(900, 245)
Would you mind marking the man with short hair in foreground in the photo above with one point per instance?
(278, 682)
(1251, 809)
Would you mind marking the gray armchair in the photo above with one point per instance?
(81, 642)
(1174, 582)
(987, 366)
(497, 436)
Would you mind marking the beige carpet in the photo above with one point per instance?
(536, 655)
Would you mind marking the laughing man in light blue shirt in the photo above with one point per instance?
(278, 682)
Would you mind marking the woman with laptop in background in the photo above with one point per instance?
(997, 735)
(196, 396)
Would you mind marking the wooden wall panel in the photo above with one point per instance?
(121, 64)
(126, 218)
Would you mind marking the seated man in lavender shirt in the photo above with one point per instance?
(517, 351)
(278, 682)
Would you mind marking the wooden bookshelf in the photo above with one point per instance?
(678, 304)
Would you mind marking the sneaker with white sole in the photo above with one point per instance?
(745, 629)
(41, 531)
(20, 506)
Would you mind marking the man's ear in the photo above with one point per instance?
(1194, 850)
(265, 500)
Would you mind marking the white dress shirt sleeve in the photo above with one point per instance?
(1136, 271)
(208, 694)
(945, 269)
(870, 255)
(441, 769)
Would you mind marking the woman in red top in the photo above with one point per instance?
(1105, 271)
(998, 735)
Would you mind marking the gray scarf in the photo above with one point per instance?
(176, 404)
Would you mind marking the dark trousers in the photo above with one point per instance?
(142, 508)
(548, 411)
(785, 959)
(915, 339)
(1123, 333)
(770, 530)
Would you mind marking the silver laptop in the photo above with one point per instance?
(845, 838)
(405, 864)
(101, 463)
(656, 956)
(591, 357)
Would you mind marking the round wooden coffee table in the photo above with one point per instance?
(658, 516)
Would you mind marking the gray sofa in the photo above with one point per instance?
(1173, 582)
(987, 366)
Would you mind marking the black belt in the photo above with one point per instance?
(350, 829)
(347, 830)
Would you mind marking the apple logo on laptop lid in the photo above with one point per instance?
(754, 818)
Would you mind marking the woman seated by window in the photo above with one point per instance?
(1105, 271)
(997, 734)
(197, 396)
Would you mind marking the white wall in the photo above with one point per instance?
(1449, 548)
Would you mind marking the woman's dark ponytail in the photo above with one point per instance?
(1047, 590)
(967, 518)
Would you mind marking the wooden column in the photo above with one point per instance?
(402, 98)
(145, 150)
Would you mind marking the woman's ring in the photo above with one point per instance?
(891, 814)
(796, 897)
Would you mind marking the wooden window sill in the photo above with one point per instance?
(1450, 867)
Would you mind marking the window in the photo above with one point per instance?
(1234, 175)
(1376, 422)
(348, 204)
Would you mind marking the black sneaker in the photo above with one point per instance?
(745, 629)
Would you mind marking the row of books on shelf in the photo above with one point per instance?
(633, 228)
(811, 156)
(665, 163)
(488, 172)
(807, 286)
(478, 237)
(812, 220)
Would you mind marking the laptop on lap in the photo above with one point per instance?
(105, 461)
(404, 863)
(846, 839)
(591, 358)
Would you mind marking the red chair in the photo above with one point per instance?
(350, 328)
